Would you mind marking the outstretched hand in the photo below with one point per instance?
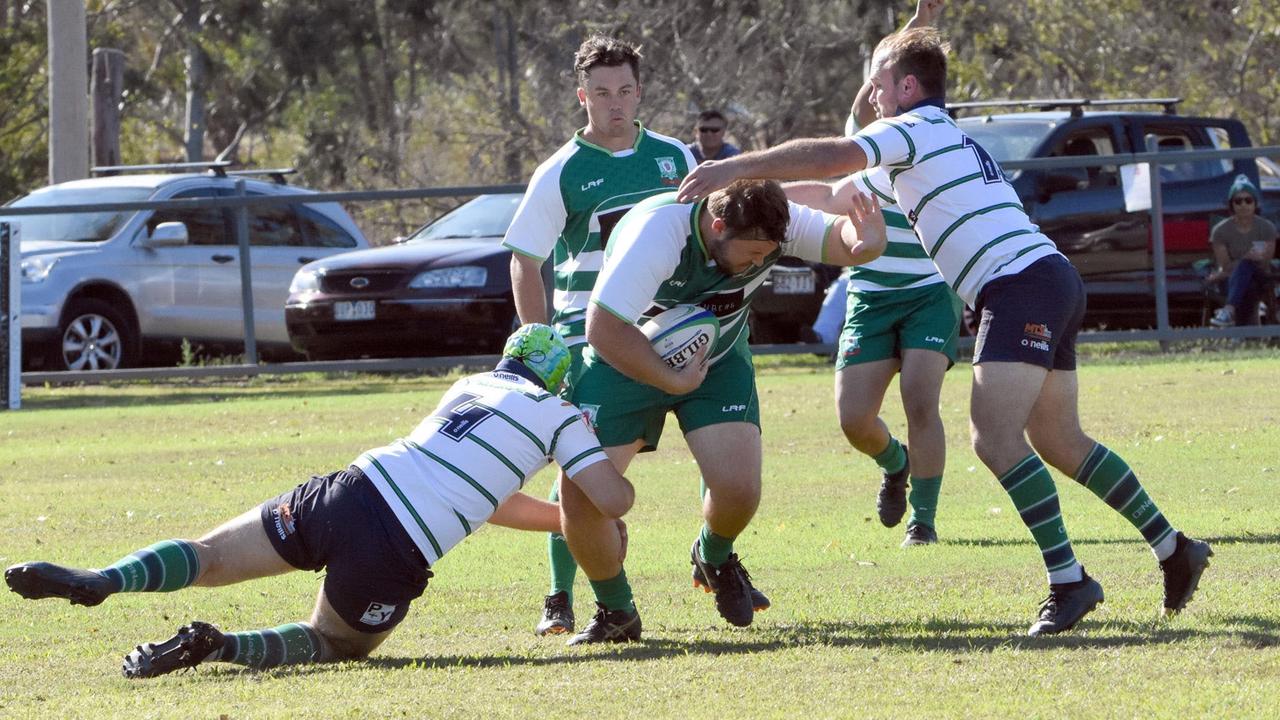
(705, 179)
(864, 213)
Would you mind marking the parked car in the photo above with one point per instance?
(101, 290)
(1083, 209)
(444, 290)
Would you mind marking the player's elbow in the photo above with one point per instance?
(620, 502)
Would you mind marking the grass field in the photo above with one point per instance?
(859, 627)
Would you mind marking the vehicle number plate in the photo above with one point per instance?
(793, 283)
(354, 310)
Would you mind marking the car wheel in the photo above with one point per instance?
(93, 336)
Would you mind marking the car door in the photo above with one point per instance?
(180, 295)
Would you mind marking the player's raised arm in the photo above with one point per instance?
(859, 236)
(801, 159)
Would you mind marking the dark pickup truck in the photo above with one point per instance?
(1083, 209)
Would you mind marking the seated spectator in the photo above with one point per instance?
(1243, 246)
(710, 144)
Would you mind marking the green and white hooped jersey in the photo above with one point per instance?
(490, 433)
(657, 260)
(968, 218)
(904, 263)
(574, 201)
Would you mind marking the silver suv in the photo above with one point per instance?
(98, 289)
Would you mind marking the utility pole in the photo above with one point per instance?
(106, 89)
(68, 91)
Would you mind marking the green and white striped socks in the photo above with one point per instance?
(163, 567)
(285, 645)
(1108, 476)
(1033, 493)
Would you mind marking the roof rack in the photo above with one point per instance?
(276, 174)
(217, 167)
(1075, 105)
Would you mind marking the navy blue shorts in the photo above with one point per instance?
(1032, 317)
(340, 522)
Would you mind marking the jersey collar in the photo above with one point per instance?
(938, 101)
(515, 367)
(577, 136)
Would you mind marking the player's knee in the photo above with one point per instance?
(921, 413)
(857, 426)
(735, 492)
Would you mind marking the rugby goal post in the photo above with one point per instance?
(10, 312)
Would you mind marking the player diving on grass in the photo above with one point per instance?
(715, 253)
(1030, 299)
(378, 526)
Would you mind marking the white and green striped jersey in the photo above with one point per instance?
(658, 260)
(904, 263)
(967, 217)
(573, 202)
(490, 433)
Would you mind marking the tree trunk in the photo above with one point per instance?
(504, 41)
(193, 134)
(106, 89)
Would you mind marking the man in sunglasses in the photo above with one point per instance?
(710, 145)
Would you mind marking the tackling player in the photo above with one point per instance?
(1030, 299)
(574, 199)
(714, 253)
(376, 527)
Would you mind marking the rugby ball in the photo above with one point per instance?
(678, 333)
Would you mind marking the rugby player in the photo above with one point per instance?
(714, 253)
(376, 527)
(1029, 297)
(573, 201)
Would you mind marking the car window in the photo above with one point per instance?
(75, 227)
(1007, 139)
(1181, 139)
(273, 226)
(205, 226)
(485, 216)
(1092, 142)
(320, 231)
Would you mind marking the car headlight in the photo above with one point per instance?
(36, 269)
(454, 277)
(305, 281)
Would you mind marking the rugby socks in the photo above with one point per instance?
(614, 593)
(163, 567)
(1108, 476)
(892, 459)
(1031, 488)
(924, 500)
(564, 569)
(715, 549)
(285, 645)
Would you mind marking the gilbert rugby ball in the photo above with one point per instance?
(678, 333)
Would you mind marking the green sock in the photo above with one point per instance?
(285, 645)
(564, 569)
(715, 548)
(163, 567)
(924, 500)
(614, 593)
(892, 459)
(1108, 476)
(1031, 488)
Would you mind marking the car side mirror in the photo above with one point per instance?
(168, 234)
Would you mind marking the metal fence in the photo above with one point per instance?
(1163, 333)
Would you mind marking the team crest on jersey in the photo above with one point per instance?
(667, 166)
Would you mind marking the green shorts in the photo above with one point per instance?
(624, 410)
(575, 370)
(880, 325)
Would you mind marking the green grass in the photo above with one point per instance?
(859, 627)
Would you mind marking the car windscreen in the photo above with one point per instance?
(75, 227)
(485, 216)
(1007, 139)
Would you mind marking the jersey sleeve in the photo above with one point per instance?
(575, 445)
(886, 142)
(807, 232)
(541, 216)
(643, 252)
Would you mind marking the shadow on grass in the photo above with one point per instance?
(946, 636)
(1245, 537)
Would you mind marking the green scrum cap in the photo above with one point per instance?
(542, 350)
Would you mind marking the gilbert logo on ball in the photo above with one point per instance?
(677, 334)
